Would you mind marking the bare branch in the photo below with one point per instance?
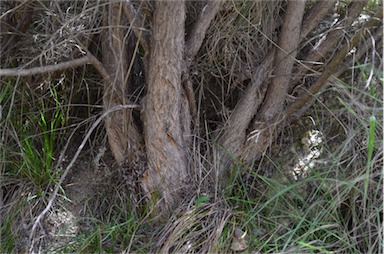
(235, 130)
(333, 38)
(199, 29)
(284, 61)
(136, 20)
(334, 64)
(318, 11)
(45, 69)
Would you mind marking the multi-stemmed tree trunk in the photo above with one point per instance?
(149, 53)
(168, 109)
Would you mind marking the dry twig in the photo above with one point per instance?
(70, 165)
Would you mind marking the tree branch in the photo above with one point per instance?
(200, 28)
(335, 62)
(45, 69)
(261, 137)
(136, 20)
(284, 61)
(318, 11)
(332, 39)
(235, 128)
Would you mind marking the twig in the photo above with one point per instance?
(44, 69)
(70, 165)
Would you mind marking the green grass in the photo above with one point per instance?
(105, 237)
(32, 137)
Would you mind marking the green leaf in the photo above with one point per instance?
(201, 199)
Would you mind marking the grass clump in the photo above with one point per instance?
(31, 136)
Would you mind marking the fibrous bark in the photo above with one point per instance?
(284, 61)
(234, 141)
(118, 44)
(167, 162)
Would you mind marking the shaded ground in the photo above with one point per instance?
(89, 188)
(94, 181)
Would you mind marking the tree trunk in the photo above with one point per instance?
(234, 141)
(118, 47)
(169, 106)
(165, 145)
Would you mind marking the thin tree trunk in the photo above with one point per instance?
(234, 139)
(165, 146)
(123, 134)
(284, 61)
(332, 39)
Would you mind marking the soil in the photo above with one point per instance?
(90, 183)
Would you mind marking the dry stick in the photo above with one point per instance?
(56, 190)
(331, 67)
(45, 69)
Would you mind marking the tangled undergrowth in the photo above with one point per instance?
(318, 189)
(333, 204)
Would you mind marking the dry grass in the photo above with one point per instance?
(336, 206)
